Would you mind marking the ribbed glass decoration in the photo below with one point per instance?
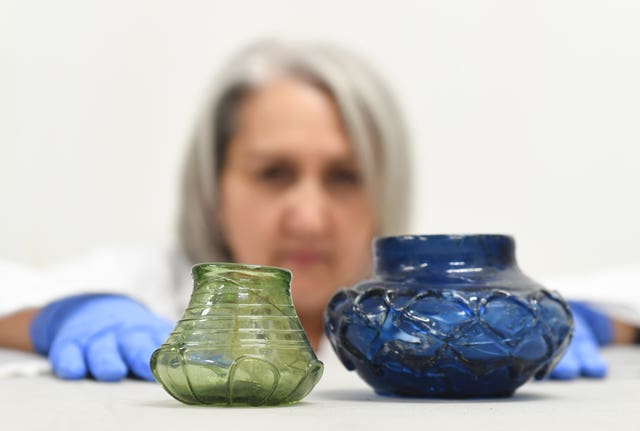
(239, 342)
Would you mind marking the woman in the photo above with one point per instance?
(298, 160)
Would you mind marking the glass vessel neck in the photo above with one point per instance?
(230, 275)
(438, 256)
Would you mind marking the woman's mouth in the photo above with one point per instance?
(305, 257)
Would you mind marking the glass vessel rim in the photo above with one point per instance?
(440, 236)
(241, 267)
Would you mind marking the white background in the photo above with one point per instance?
(525, 115)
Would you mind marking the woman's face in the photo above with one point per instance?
(291, 192)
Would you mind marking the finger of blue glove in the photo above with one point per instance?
(569, 366)
(103, 358)
(591, 362)
(582, 357)
(580, 360)
(136, 348)
(67, 360)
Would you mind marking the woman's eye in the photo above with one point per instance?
(344, 177)
(275, 174)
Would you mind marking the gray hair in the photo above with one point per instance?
(370, 115)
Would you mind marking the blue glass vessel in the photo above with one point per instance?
(448, 316)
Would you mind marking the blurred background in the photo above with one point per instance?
(525, 116)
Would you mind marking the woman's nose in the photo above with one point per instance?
(307, 212)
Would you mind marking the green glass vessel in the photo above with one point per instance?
(239, 342)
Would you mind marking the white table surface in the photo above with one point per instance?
(340, 401)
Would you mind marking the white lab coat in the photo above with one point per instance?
(615, 290)
(158, 278)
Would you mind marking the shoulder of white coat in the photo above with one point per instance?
(615, 290)
(150, 275)
(21, 286)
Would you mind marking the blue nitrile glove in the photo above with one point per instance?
(106, 336)
(592, 330)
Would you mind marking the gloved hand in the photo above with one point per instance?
(106, 336)
(592, 330)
